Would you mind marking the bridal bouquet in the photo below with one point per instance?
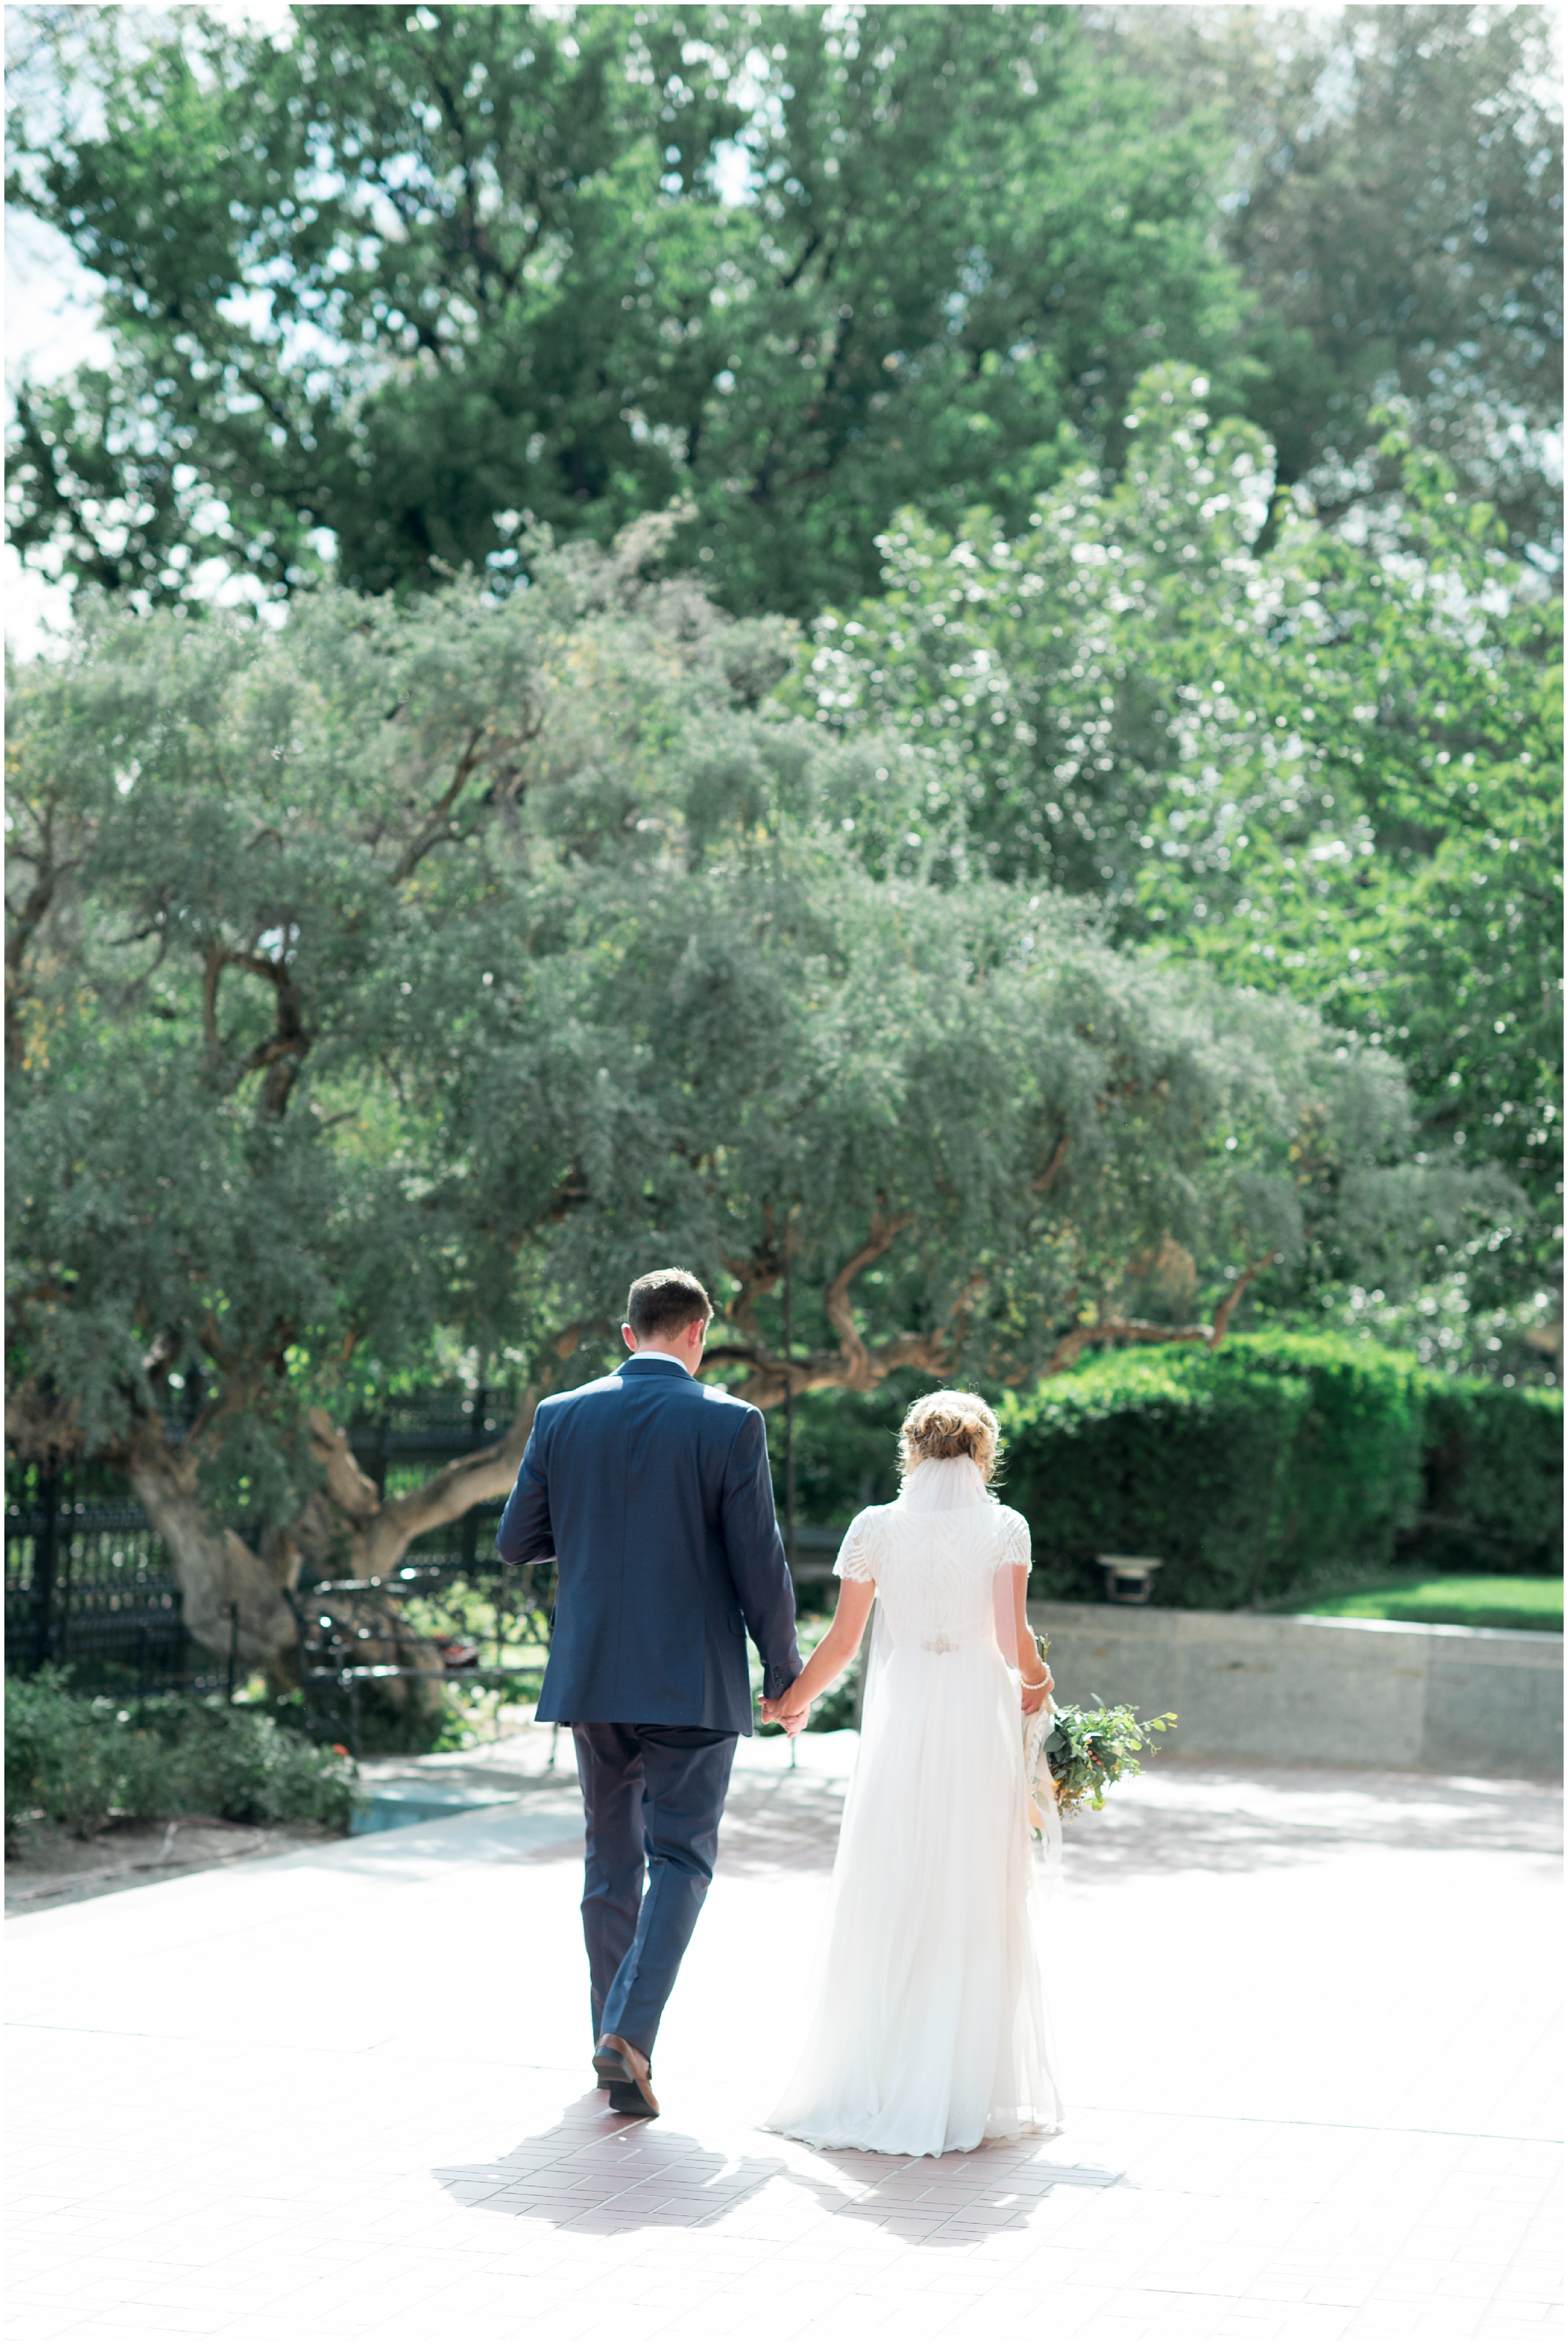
(1071, 1754)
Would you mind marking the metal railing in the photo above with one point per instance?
(90, 1585)
(441, 1620)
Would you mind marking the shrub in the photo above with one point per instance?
(58, 1756)
(1349, 1480)
(81, 1760)
(1277, 1465)
(1493, 1478)
(1248, 1470)
(1173, 1454)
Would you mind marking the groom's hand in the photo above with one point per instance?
(780, 1714)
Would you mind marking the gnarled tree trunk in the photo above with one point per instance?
(347, 1529)
(344, 1531)
(215, 1568)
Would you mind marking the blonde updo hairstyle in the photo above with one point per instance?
(950, 1425)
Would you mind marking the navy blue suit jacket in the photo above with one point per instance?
(653, 1494)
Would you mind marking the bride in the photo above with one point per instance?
(929, 2033)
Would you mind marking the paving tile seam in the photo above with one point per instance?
(1310, 2125)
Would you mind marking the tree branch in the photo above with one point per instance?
(1222, 1313)
(435, 822)
(22, 921)
(1042, 1180)
(836, 1302)
(856, 1366)
(381, 1531)
(770, 1376)
(216, 958)
(1118, 1331)
(1104, 1330)
(285, 1050)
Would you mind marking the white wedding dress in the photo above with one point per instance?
(930, 2030)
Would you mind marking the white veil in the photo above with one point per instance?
(936, 1485)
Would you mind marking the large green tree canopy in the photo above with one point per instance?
(387, 989)
(402, 278)
(1393, 199)
(380, 287)
(1129, 900)
(1324, 762)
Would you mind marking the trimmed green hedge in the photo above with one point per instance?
(1170, 1454)
(1350, 1480)
(1494, 1495)
(1277, 1464)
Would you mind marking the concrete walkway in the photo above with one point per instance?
(1308, 2032)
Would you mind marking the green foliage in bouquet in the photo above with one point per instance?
(1088, 1749)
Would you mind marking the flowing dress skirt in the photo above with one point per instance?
(930, 2027)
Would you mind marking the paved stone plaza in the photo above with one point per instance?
(1308, 2045)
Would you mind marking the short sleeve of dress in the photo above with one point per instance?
(857, 1555)
(1013, 1538)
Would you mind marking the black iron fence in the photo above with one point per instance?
(90, 1585)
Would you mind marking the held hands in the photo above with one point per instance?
(787, 1712)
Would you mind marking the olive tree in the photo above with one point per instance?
(385, 989)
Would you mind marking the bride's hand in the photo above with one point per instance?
(775, 1713)
(1035, 1697)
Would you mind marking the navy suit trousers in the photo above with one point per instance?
(652, 1797)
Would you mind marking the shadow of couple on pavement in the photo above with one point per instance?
(595, 2172)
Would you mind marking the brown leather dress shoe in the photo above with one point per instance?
(627, 2073)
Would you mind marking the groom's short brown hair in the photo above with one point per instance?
(662, 1302)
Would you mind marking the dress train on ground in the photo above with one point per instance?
(930, 2029)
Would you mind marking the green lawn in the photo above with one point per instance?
(1480, 1601)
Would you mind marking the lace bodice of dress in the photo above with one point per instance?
(934, 1554)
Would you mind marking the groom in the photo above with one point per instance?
(653, 1494)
